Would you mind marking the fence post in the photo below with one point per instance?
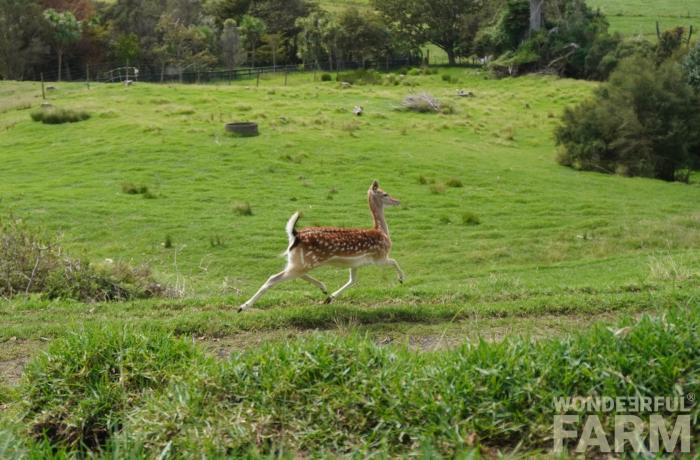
(257, 79)
(43, 92)
(87, 75)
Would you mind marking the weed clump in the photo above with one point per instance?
(455, 183)
(243, 209)
(31, 262)
(425, 103)
(469, 218)
(132, 189)
(76, 393)
(437, 188)
(56, 116)
(326, 77)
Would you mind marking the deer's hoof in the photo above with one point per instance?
(242, 307)
(328, 300)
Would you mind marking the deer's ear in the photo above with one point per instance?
(375, 185)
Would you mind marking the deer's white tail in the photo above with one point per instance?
(291, 231)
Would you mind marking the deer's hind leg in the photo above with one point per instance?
(285, 275)
(315, 282)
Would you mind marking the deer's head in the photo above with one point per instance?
(379, 197)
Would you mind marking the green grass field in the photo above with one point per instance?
(554, 250)
(639, 17)
(546, 233)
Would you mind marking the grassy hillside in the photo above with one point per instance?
(497, 240)
(542, 227)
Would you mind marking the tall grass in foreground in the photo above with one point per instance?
(150, 393)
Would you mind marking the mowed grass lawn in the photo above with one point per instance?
(548, 239)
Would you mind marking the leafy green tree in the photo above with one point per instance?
(440, 22)
(65, 31)
(362, 36)
(222, 10)
(184, 46)
(311, 38)
(273, 42)
(21, 38)
(127, 48)
(252, 30)
(643, 122)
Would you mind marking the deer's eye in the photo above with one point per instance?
(386, 194)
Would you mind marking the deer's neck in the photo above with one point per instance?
(378, 218)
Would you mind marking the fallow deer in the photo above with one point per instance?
(312, 247)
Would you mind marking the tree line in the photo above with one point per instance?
(61, 37)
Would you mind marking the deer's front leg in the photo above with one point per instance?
(395, 264)
(351, 281)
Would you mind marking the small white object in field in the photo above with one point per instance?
(464, 93)
(358, 110)
(46, 105)
(344, 84)
(128, 82)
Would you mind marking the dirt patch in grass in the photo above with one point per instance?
(14, 354)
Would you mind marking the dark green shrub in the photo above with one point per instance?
(608, 50)
(76, 393)
(326, 77)
(55, 116)
(669, 42)
(643, 122)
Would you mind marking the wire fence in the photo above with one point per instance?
(171, 74)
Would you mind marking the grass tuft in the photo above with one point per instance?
(133, 189)
(469, 218)
(243, 209)
(77, 392)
